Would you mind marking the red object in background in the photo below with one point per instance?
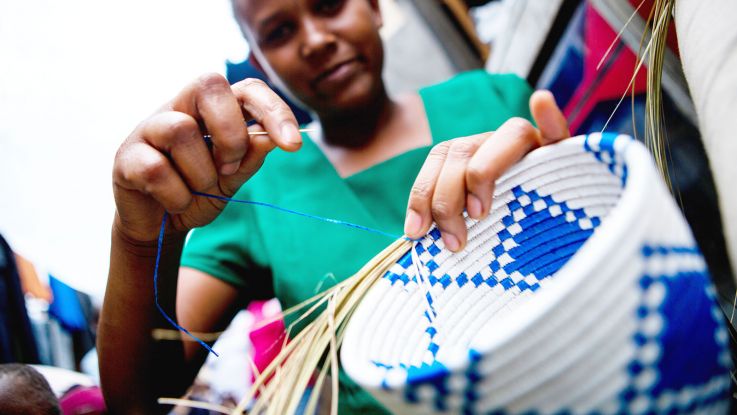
(612, 79)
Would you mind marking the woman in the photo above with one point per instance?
(360, 168)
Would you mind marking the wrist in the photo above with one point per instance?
(173, 240)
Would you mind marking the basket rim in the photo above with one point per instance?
(618, 225)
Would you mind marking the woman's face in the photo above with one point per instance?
(327, 53)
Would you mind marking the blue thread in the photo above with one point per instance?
(159, 245)
(306, 215)
(248, 202)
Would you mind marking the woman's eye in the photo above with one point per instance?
(278, 34)
(328, 6)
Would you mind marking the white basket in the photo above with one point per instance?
(583, 291)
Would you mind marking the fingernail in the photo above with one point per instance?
(451, 242)
(290, 133)
(548, 94)
(229, 168)
(474, 206)
(412, 223)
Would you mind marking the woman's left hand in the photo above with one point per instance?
(461, 173)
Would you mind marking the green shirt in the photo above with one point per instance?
(268, 253)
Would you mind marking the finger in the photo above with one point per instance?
(548, 117)
(211, 100)
(269, 110)
(449, 197)
(259, 148)
(419, 215)
(145, 169)
(178, 135)
(509, 144)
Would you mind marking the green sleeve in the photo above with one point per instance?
(231, 248)
(475, 102)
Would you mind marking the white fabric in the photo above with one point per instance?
(61, 380)
(707, 37)
(524, 27)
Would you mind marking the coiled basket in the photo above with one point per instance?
(582, 292)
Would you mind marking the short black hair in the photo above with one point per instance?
(24, 391)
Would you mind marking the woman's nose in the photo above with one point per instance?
(317, 40)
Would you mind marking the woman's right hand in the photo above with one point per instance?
(166, 158)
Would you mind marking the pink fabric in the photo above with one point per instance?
(266, 339)
(595, 87)
(83, 400)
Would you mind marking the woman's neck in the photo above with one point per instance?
(354, 143)
(358, 129)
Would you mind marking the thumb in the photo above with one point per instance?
(548, 117)
(259, 147)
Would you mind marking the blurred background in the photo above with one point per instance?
(77, 76)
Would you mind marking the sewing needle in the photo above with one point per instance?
(208, 137)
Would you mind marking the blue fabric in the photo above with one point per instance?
(66, 308)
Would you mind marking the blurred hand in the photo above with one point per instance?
(165, 158)
(461, 173)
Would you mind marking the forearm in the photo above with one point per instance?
(156, 169)
(135, 370)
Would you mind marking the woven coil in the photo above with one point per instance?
(583, 291)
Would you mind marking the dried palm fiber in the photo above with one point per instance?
(282, 384)
(582, 291)
(653, 45)
(660, 20)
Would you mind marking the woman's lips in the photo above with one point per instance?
(336, 75)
